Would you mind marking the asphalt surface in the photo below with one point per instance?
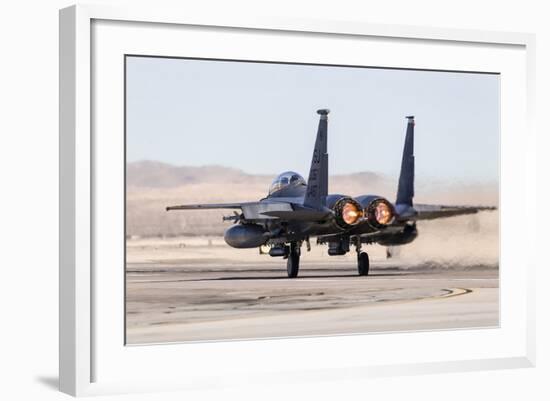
(206, 300)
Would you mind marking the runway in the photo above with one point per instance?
(204, 300)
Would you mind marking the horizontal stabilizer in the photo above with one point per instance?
(300, 215)
(431, 212)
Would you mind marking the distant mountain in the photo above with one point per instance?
(151, 186)
(153, 174)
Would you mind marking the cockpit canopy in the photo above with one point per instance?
(288, 179)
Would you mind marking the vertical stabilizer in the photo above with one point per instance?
(405, 190)
(317, 182)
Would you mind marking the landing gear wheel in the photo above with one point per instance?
(363, 264)
(293, 261)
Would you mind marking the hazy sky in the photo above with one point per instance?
(261, 117)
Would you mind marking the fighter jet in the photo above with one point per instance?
(295, 210)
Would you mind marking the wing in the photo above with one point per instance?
(430, 212)
(285, 211)
(209, 206)
(250, 210)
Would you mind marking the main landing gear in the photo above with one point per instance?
(291, 253)
(363, 262)
(293, 260)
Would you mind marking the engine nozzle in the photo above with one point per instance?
(379, 213)
(347, 212)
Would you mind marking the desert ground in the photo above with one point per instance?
(183, 283)
(199, 289)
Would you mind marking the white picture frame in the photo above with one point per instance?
(90, 338)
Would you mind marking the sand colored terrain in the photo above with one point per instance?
(456, 241)
(151, 186)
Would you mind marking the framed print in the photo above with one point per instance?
(278, 199)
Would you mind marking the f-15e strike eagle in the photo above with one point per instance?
(294, 211)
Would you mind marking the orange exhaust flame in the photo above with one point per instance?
(383, 213)
(351, 213)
